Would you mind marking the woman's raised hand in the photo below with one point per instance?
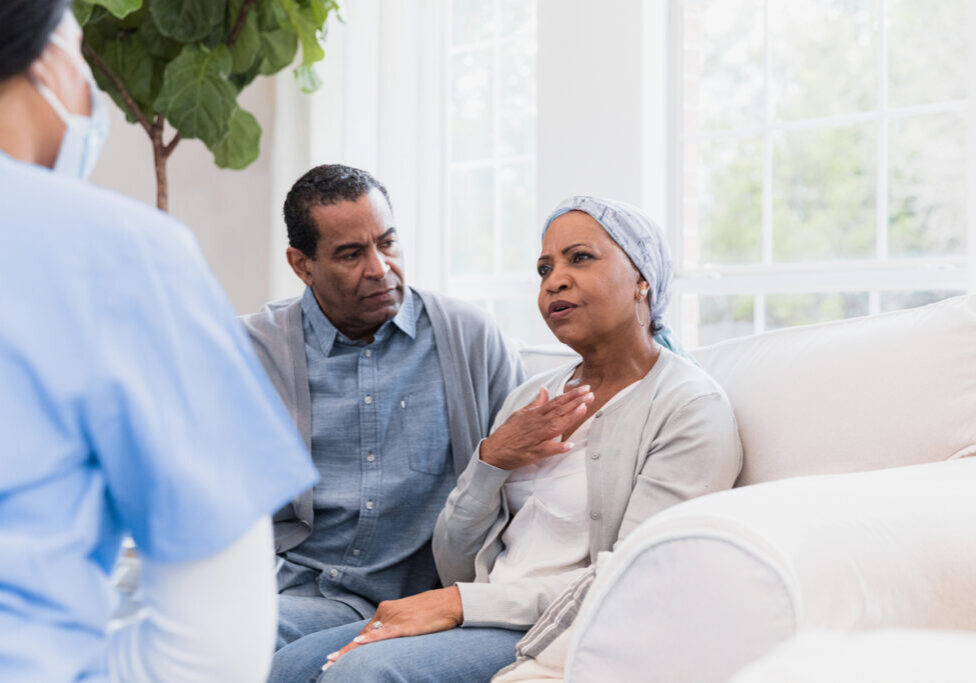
(527, 435)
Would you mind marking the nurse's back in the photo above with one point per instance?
(130, 402)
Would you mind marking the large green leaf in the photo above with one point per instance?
(187, 20)
(196, 96)
(242, 143)
(278, 50)
(308, 79)
(245, 49)
(304, 25)
(320, 10)
(158, 44)
(126, 55)
(120, 8)
(83, 10)
(270, 15)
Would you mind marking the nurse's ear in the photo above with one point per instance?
(62, 68)
(298, 261)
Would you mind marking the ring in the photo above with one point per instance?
(377, 625)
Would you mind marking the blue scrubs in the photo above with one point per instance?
(130, 402)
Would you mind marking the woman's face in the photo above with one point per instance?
(589, 286)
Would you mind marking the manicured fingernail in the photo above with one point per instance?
(332, 655)
(326, 665)
(359, 639)
(589, 397)
(569, 445)
(585, 387)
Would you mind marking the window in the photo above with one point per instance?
(821, 160)
(491, 161)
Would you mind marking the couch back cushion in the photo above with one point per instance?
(867, 393)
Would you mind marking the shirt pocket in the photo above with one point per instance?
(420, 427)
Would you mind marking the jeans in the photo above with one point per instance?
(301, 615)
(461, 654)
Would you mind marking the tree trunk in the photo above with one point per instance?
(161, 154)
(162, 184)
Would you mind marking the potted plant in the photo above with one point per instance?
(184, 62)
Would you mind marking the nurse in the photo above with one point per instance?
(130, 403)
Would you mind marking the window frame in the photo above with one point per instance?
(368, 114)
(767, 278)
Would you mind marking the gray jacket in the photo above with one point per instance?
(480, 367)
(672, 438)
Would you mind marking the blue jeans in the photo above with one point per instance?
(301, 615)
(461, 654)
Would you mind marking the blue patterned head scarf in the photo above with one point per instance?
(644, 243)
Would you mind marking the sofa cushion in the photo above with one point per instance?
(867, 393)
(889, 655)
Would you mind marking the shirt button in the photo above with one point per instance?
(594, 515)
(368, 353)
(369, 505)
(370, 457)
(333, 573)
(355, 551)
(595, 456)
(368, 400)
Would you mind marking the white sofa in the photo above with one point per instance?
(881, 656)
(711, 585)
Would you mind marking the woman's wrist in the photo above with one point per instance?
(457, 604)
(486, 453)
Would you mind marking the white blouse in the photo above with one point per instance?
(548, 533)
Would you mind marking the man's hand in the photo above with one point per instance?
(527, 435)
(428, 612)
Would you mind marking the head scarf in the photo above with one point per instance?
(644, 243)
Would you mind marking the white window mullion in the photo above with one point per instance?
(881, 201)
(971, 156)
(874, 302)
(496, 82)
(674, 145)
(767, 146)
(445, 102)
(759, 314)
(433, 230)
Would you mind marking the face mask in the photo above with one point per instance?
(83, 135)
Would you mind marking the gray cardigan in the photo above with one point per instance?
(480, 367)
(672, 438)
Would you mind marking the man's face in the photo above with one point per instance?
(357, 272)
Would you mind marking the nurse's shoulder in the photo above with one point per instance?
(81, 217)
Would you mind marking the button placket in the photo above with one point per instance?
(370, 440)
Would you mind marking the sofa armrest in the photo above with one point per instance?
(710, 585)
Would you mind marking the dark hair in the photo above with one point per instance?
(25, 27)
(322, 186)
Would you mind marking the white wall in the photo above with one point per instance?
(589, 65)
(229, 211)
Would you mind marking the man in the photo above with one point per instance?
(392, 389)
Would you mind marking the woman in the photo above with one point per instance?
(633, 429)
(131, 403)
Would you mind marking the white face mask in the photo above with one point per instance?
(83, 135)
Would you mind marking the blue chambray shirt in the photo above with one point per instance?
(381, 444)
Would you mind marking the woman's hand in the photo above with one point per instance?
(428, 612)
(527, 435)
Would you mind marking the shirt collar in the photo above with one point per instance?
(405, 320)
